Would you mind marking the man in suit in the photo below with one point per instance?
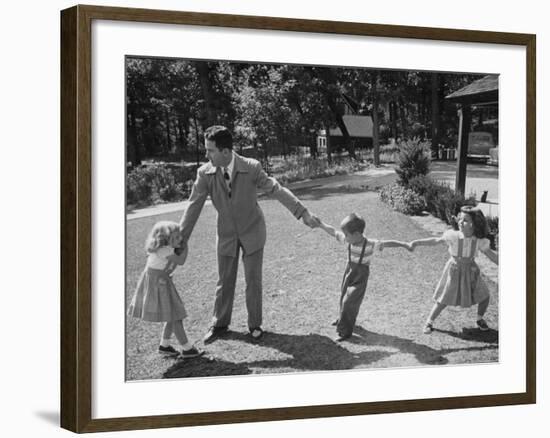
(232, 181)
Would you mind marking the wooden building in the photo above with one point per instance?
(359, 129)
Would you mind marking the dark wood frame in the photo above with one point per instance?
(76, 177)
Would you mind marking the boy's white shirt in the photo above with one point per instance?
(341, 237)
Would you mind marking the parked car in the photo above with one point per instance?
(479, 144)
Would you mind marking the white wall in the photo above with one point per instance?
(29, 81)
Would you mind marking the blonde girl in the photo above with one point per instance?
(156, 298)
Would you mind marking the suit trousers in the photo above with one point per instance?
(225, 289)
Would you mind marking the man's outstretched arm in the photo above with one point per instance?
(271, 187)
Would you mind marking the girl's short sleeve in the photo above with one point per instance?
(449, 236)
(483, 244)
(340, 237)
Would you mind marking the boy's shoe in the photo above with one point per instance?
(168, 351)
(428, 328)
(482, 325)
(192, 352)
(256, 333)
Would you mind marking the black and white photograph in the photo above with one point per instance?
(288, 218)
(275, 219)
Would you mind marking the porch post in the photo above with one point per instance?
(464, 115)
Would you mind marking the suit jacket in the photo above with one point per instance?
(240, 218)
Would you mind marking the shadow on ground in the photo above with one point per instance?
(471, 334)
(316, 352)
(423, 353)
(312, 352)
(205, 366)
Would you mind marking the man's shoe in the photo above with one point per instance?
(256, 333)
(192, 352)
(342, 338)
(482, 325)
(213, 334)
(168, 351)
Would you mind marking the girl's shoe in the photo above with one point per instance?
(192, 352)
(428, 328)
(482, 325)
(168, 351)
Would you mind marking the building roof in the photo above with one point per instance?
(358, 126)
(483, 90)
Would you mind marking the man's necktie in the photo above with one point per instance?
(227, 180)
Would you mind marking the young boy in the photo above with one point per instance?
(356, 275)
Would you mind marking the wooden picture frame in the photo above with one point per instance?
(76, 218)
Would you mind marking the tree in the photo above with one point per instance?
(263, 110)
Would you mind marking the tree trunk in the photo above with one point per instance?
(208, 94)
(375, 128)
(183, 128)
(403, 117)
(313, 151)
(147, 136)
(133, 154)
(197, 137)
(168, 139)
(393, 119)
(329, 148)
(436, 114)
(155, 140)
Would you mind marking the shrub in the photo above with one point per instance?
(441, 201)
(388, 153)
(423, 185)
(492, 224)
(151, 184)
(447, 205)
(413, 160)
(402, 199)
(418, 130)
(299, 168)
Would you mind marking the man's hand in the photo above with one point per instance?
(310, 221)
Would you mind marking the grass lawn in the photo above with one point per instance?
(302, 275)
